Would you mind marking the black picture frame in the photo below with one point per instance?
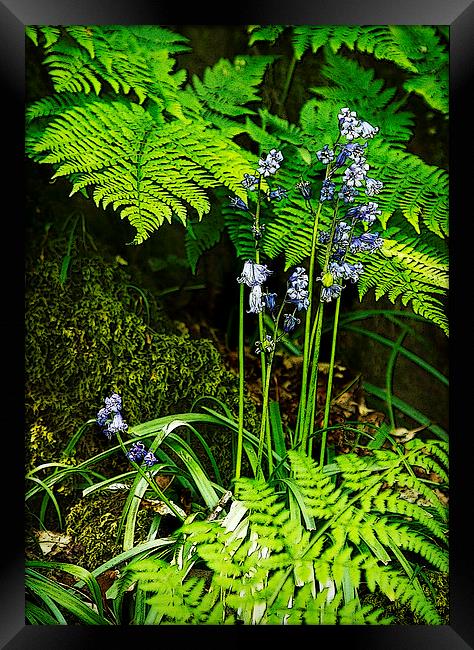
(459, 15)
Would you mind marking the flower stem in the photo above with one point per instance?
(306, 347)
(154, 486)
(329, 385)
(240, 432)
(308, 426)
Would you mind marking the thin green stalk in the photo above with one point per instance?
(153, 484)
(289, 77)
(240, 432)
(389, 376)
(313, 385)
(307, 328)
(257, 259)
(329, 386)
(264, 420)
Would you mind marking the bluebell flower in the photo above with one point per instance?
(367, 242)
(327, 191)
(110, 417)
(372, 186)
(305, 189)
(325, 155)
(278, 194)
(331, 292)
(250, 181)
(290, 322)
(355, 174)
(270, 300)
(271, 164)
(275, 155)
(349, 125)
(366, 213)
(348, 194)
(103, 416)
(345, 271)
(236, 202)
(324, 236)
(256, 302)
(150, 459)
(113, 403)
(267, 346)
(366, 130)
(253, 273)
(136, 452)
(341, 233)
(299, 278)
(116, 425)
(298, 297)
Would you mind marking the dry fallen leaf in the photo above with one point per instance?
(51, 543)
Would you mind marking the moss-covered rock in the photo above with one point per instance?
(97, 333)
(93, 524)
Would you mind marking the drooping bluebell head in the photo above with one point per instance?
(367, 242)
(373, 186)
(299, 278)
(150, 459)
(249, 181)
(236, 202)
(253, 273)
(110, 418)
(270, 300)
(278, 194)
(325, 155)
(305, 189)
(271, 164)
(331, 292)
(256, 301)
(348, 193)
(136, 452)
(298, 297)
(327, 191)
(115, 425)
(289, 323)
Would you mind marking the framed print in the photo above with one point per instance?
(242, 360)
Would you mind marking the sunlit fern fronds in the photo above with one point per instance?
(121, 58)
(417, 49)
(174, 597)
(382, 506)
(145, 168)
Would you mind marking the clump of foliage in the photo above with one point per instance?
(296, 534)
(131, 131)
(90, 336)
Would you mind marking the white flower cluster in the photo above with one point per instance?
(351, 127)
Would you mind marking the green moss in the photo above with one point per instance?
(93, 524)
(95, 334)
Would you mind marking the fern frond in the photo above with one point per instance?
(417, 49)
(147, 170)
(137, 58)
(227, 88)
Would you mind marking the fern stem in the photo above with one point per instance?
(389, 376)
(289, 77)
(240, 432)
(329, 386)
